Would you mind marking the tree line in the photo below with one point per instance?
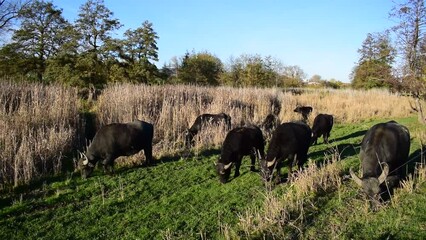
(45, 47)
(396, 57)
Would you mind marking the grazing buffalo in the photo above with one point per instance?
(275, 105)
(305, 111)
(204, 119)
(323, 123)
(384, 152)
(291, 142)
(239, 142)
(115, 140)
(270, 123)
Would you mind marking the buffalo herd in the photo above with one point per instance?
(384, 148)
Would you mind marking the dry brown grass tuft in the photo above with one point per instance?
(282, 215)
(39, 124)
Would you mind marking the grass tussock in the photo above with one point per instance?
(39, 125)
(285, 215)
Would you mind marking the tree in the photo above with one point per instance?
(9, 10)
(94, 24)
(253, 70)
(410, 31)
(374, 67)
(40, 35)
(200, 68)
(138, 49)
(292, 76)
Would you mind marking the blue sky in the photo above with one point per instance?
(320, 36)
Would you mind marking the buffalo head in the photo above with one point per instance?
(224, 171)
(267, 168)
(85, 166)
(371, 186)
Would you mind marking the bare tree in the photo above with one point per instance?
(9, 10)
(411, 34)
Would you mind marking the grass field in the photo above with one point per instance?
(181, 198)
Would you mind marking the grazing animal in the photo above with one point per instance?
(204, 119)
(384, 152)
(305, 111)
(323, 123)
(275, 105)
(291, 142)
(270, 123)
(239, 142)
(115, 140)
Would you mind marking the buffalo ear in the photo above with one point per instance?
(355, 177)
(384, 174)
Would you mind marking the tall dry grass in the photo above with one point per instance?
(285, 215)
(38, 126)
(172, 109)
(40, 123)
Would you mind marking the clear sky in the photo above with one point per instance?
(320, 36)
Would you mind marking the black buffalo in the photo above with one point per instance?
(291, 142)
(323, 123)
(202, 120)
(270, 123)
(239, 142)
(305, 111)
(115, 140)
(384, 153)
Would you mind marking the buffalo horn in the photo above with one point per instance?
(258, 155)
(227, 166)
(86, 160)
(355, 177)
(384, 174)
(271, 163)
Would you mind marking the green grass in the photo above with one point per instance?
(182, 198)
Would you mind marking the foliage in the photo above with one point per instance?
(200, 69)
(40, 35)
(374, 66)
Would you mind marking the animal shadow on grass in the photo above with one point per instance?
(349, 136)
(415, 160)
(345, 150)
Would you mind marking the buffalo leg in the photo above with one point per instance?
(148, 155)
(253, 162)
(237, 166)
(326, 135)
(108, 164)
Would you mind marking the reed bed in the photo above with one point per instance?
(173, 109)
(39, 124)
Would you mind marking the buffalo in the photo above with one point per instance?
(290, 141)
(305, 111)
(115, 140)
(239, 142)
(204, 119)
(270, 123)
(323, 123)
(384, 152)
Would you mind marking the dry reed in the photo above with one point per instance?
(172, 109)
(38, 125)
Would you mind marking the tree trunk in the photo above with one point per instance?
(421, 116)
